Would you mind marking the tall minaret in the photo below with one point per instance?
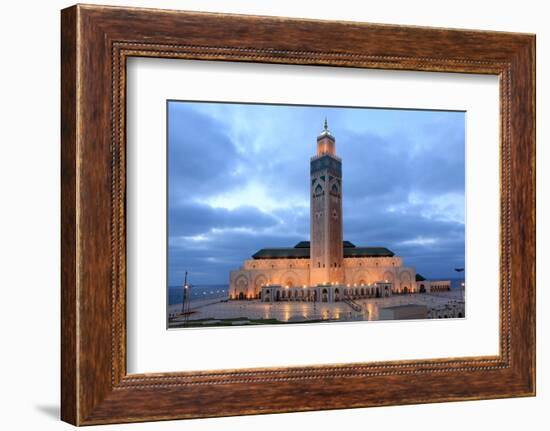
(326, 248)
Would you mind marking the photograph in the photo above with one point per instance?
(296, 214)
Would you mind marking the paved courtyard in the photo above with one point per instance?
(216, 310)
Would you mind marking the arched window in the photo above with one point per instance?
(318, 190)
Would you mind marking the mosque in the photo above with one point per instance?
(327, 268)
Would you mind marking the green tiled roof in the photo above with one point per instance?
(305, 244)
(301, 251)
(368, 252)
(282, 253)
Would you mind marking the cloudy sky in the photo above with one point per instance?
(238, 181)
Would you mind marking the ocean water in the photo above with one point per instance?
(210, 291)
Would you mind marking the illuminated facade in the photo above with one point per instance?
(327, 268)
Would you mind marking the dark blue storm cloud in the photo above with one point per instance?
(238, 178)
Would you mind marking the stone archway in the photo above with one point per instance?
(290, 279)
(405, 279)
(259, 282)
(241, 287)
(361, 277)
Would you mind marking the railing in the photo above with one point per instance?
(354, 305)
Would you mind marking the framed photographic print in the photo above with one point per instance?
(268, 196)
(329, 214)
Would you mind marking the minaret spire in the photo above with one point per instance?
(326, 251)
(325, 141)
